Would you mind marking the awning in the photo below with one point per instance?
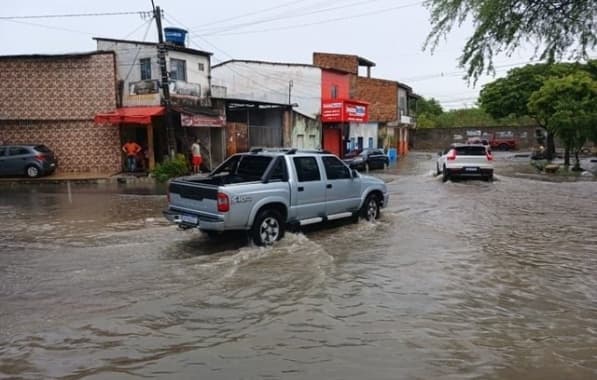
(132, 115)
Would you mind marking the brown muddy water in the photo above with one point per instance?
(456, 280)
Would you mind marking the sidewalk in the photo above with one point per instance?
(57, 178)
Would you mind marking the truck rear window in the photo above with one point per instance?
(252, 167)
(471, 151)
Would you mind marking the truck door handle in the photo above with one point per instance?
(329, 186)
(301, 188)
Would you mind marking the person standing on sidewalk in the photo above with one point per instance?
(131, 149)
(196, 156)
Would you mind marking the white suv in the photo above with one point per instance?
(465, 160)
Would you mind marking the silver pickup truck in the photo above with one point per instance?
(264, 192)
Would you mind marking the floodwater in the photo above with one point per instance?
(457, 280)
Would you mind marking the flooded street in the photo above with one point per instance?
(458, 280)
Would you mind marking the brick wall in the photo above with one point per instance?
(382, 96)
(80, 146)
(66, 87)
(342, 62)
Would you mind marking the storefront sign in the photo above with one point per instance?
(187, 120)
(340, 111)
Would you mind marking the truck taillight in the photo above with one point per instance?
(451, 154)
(223, 202)
(489, 156)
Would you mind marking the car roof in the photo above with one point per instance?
(458, 145)
(283, 151)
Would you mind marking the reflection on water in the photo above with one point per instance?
(456, 280)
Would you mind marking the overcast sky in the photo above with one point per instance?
(390, 33)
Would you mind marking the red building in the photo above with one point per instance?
(338, 110)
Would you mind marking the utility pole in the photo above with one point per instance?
(170, 139)
(290, 84)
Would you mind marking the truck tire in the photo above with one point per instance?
(370, 209)
(268, 227)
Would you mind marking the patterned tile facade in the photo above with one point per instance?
(53, 99)
(57, 87)
(80, 146)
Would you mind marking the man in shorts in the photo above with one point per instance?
(197, 159)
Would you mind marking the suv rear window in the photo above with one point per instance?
(471, 151)
(43, 149)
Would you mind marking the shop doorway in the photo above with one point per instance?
(138, 134)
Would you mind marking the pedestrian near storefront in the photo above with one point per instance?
(131, 149)
(196, 156)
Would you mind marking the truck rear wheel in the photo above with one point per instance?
(267, 228)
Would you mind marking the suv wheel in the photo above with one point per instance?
(445, 175)
(504, 147)
(32, 171)
(267, 228)
(370, 209)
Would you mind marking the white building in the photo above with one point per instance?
(282, 85)
(140, 97)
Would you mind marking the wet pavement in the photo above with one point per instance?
(458, 280)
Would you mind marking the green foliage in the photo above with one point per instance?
(171, 168)
(509, 96)
(429, 107)
(468, 117)
(569, 105)
(558, 28)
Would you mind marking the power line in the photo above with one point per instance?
(257, 84)
(293, 15)
(297, 26)
(141, 13)
(250, 13)
(48, 26)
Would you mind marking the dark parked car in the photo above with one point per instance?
(367, 159)
(32, 160)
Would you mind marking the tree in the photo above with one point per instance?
(509, 96)
(558, 28)
(569, 105)
(429, 107)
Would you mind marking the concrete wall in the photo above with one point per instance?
(439, 138)
(268, 82)
(306, 132)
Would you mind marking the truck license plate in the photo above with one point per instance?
(189, 219)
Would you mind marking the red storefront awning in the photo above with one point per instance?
(343, 110)
(132, 115)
